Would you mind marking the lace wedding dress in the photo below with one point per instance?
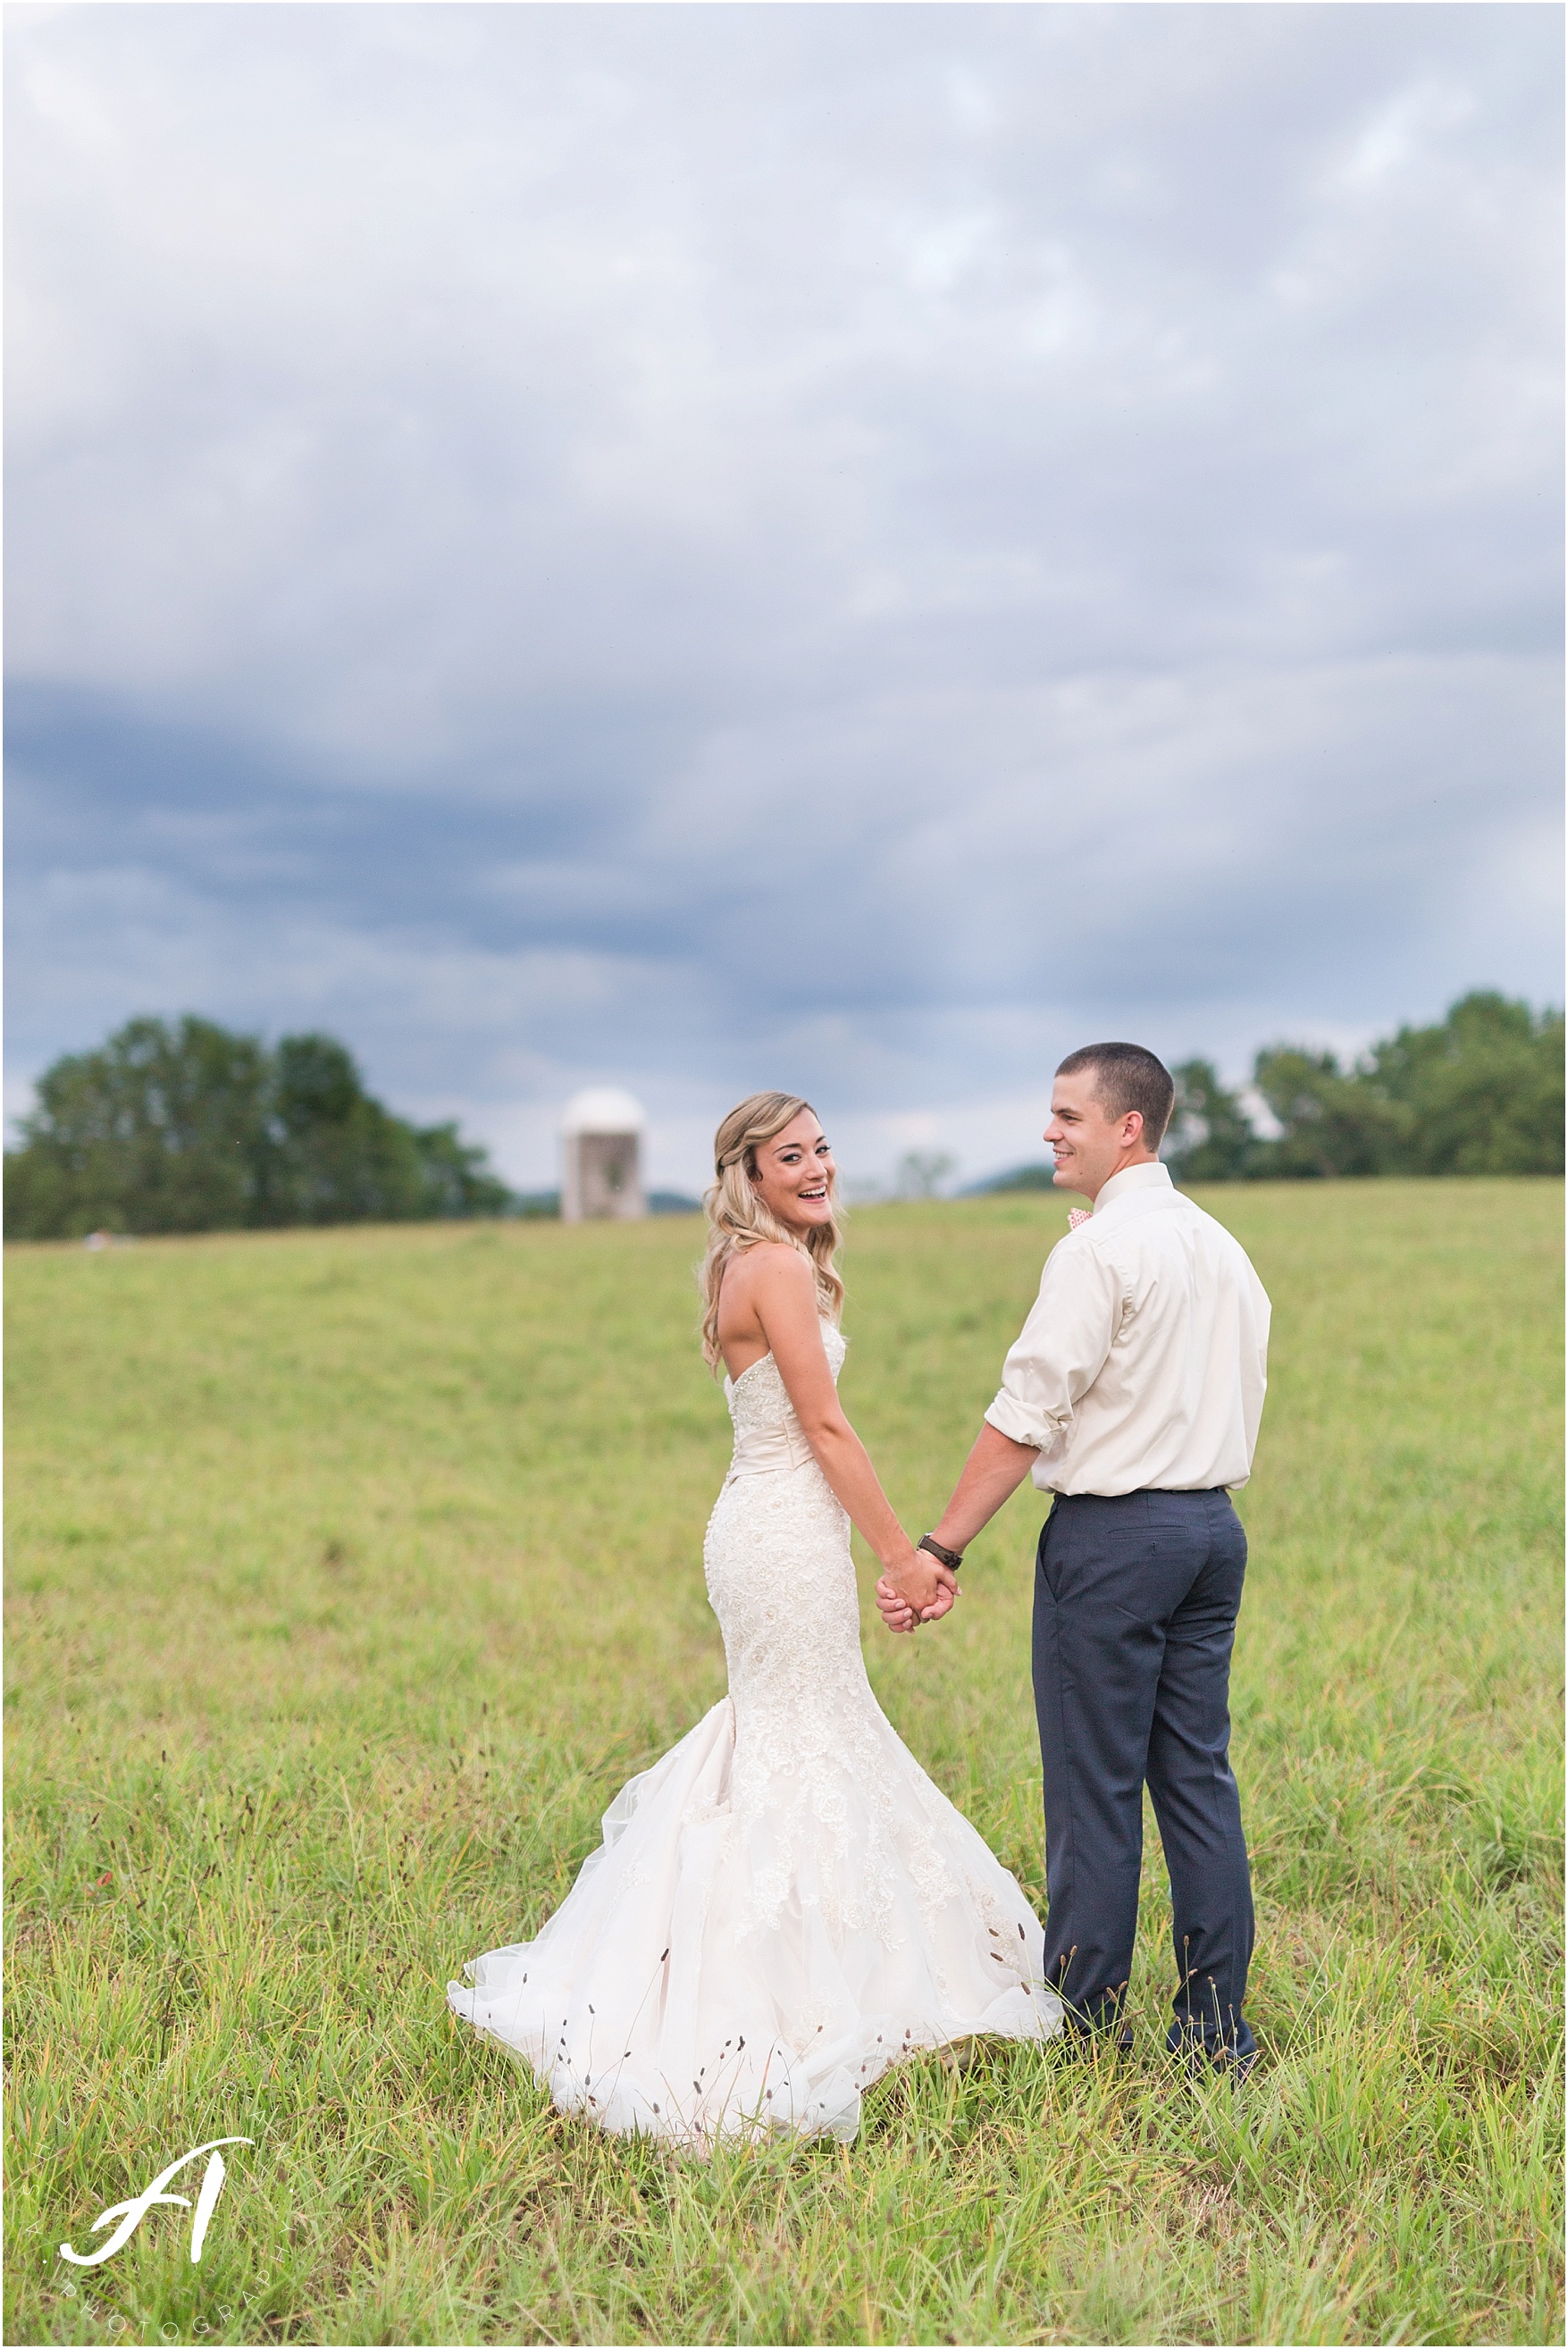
(785, 1904)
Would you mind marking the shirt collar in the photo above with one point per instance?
(1156, 1176)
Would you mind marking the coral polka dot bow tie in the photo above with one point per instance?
(1077, 1216)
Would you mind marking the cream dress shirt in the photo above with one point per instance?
(1141, 1365)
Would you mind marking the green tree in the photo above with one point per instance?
(1483, 1090)
(1335, 1122)
(336, 1156)
(1211, 1136)
(161, 1129)
(1482, 1093)
(182, 1127)
(456, 1177)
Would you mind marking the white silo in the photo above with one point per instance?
(601, 1156)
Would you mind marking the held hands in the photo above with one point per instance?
(921, 1590)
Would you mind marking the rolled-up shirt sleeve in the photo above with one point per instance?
(1062, 1347)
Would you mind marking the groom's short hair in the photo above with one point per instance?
(1125, 1077)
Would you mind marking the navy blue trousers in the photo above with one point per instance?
(1136, 1599)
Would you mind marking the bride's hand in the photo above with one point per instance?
(931, 1597)
(896, 1611)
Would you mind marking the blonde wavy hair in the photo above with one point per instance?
(737, 1220)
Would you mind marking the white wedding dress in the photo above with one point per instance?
(785, 1904)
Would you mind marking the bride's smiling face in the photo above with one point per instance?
(794, 1175)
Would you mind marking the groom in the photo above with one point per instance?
(1134, 1395)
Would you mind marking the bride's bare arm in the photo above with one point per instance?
(783, 1292)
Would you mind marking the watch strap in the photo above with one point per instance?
(951, 1559)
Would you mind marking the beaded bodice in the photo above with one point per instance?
(768, 1431)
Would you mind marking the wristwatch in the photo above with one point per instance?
(951, 1559)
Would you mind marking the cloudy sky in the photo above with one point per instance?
(846, 547)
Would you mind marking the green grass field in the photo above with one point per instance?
(352, 1572)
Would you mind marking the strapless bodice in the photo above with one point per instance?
(768, 1436)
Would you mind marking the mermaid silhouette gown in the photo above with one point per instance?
(785, 1904)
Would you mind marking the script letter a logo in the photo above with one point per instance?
(131, 2214)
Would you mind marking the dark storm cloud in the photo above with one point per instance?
(851, 545)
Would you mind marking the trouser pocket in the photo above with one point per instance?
(1048, 1552)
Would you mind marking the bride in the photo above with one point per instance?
(785, 1904)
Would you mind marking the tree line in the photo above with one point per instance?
(1481, 1093)
(183, 1126)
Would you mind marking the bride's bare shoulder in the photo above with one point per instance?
(772, 1259)
(769, 1268)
